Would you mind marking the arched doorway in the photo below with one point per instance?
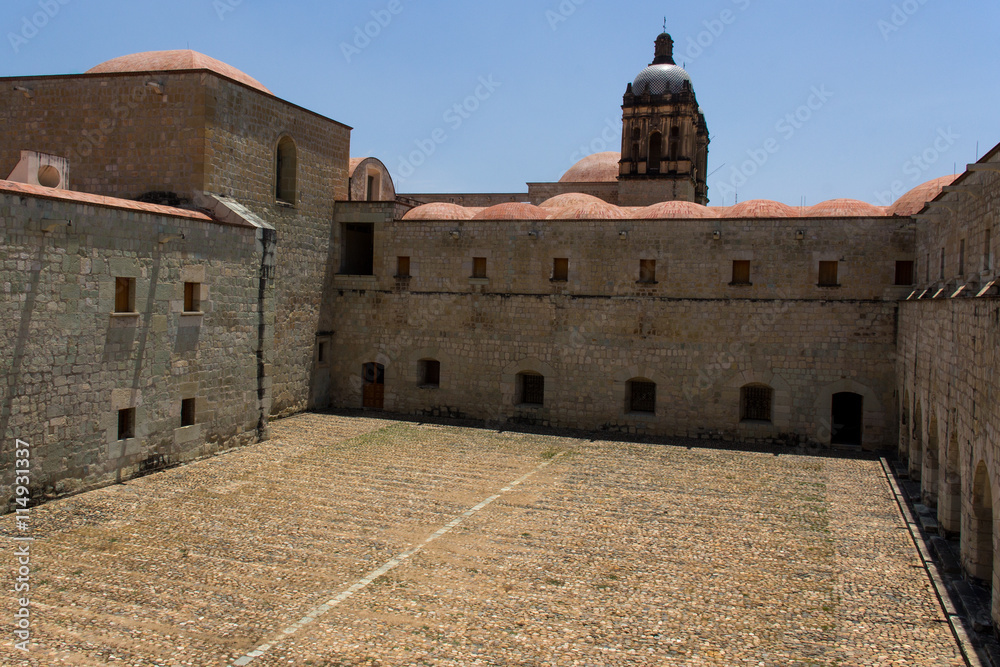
(847, 418)
(929, 474)
(978, 552)
(374, 391)
(950, 492)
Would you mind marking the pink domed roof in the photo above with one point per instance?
(845, 208)
(914, 201)
(166, 61)
(760, 208)
(512, 211)
(675, 210)
(596, 168)
(593, 211)
(439, 211)
(571, 199)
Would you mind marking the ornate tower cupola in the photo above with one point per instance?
(664, 135)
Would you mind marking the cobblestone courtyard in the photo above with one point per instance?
(530, 550)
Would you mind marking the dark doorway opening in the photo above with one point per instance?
(847, 419)
(374, 392)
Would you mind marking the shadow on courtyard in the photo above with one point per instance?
(714, 443)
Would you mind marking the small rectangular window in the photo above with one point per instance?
(642, 396)
(478, 267)
(647, 271)
(532, 389)
(371, 188)
(124, 295)
(755, 403)
(560, 269)
(961, 257)
(927, 268)
(126, 423)
(321, 352)
(357, 253)
(187, 412)
(741, 272)
(904, 273)
(402, 267)
(828, 274)
(430, 373)
(192, 297)
(942, 265)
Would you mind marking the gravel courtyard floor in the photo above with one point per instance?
(355, 541)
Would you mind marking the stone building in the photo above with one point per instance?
(186, 256)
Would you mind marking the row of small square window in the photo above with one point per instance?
(125, 296)
(755, 400)
(126, 418)
(828, 271)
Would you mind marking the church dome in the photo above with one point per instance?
(845, 208)
(914, 201)
(512, 211)
(760, 208)
(663, 75)
(596, 168)
(675, 210)
(171, 61)
(661, 79)
(439, 211)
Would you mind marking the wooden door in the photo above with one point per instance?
(374, 392)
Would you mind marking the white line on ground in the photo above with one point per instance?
(393, 563)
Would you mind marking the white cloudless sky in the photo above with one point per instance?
(900, 91)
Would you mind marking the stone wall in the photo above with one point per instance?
(697, 337)
(947, 361)
(69, 363)
(204, 133)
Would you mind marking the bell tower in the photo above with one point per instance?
(664, 135)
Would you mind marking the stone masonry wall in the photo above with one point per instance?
(244, 128)
(697, 337)
(947, 361)
(69, 364)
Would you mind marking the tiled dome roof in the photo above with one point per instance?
(439, 211)
(661, 79)
(600, 210)
(571, 199)
(845, 208)
(675, 210)
(760, 208)
(596, 168)
(512, 211)
(165, 61)
(914, 201)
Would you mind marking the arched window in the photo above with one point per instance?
(641, 395)
(530, 389)
(285, 171)
(674, 148)
(755, 402)
(655, 152)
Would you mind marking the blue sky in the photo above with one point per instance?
(900, 91)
